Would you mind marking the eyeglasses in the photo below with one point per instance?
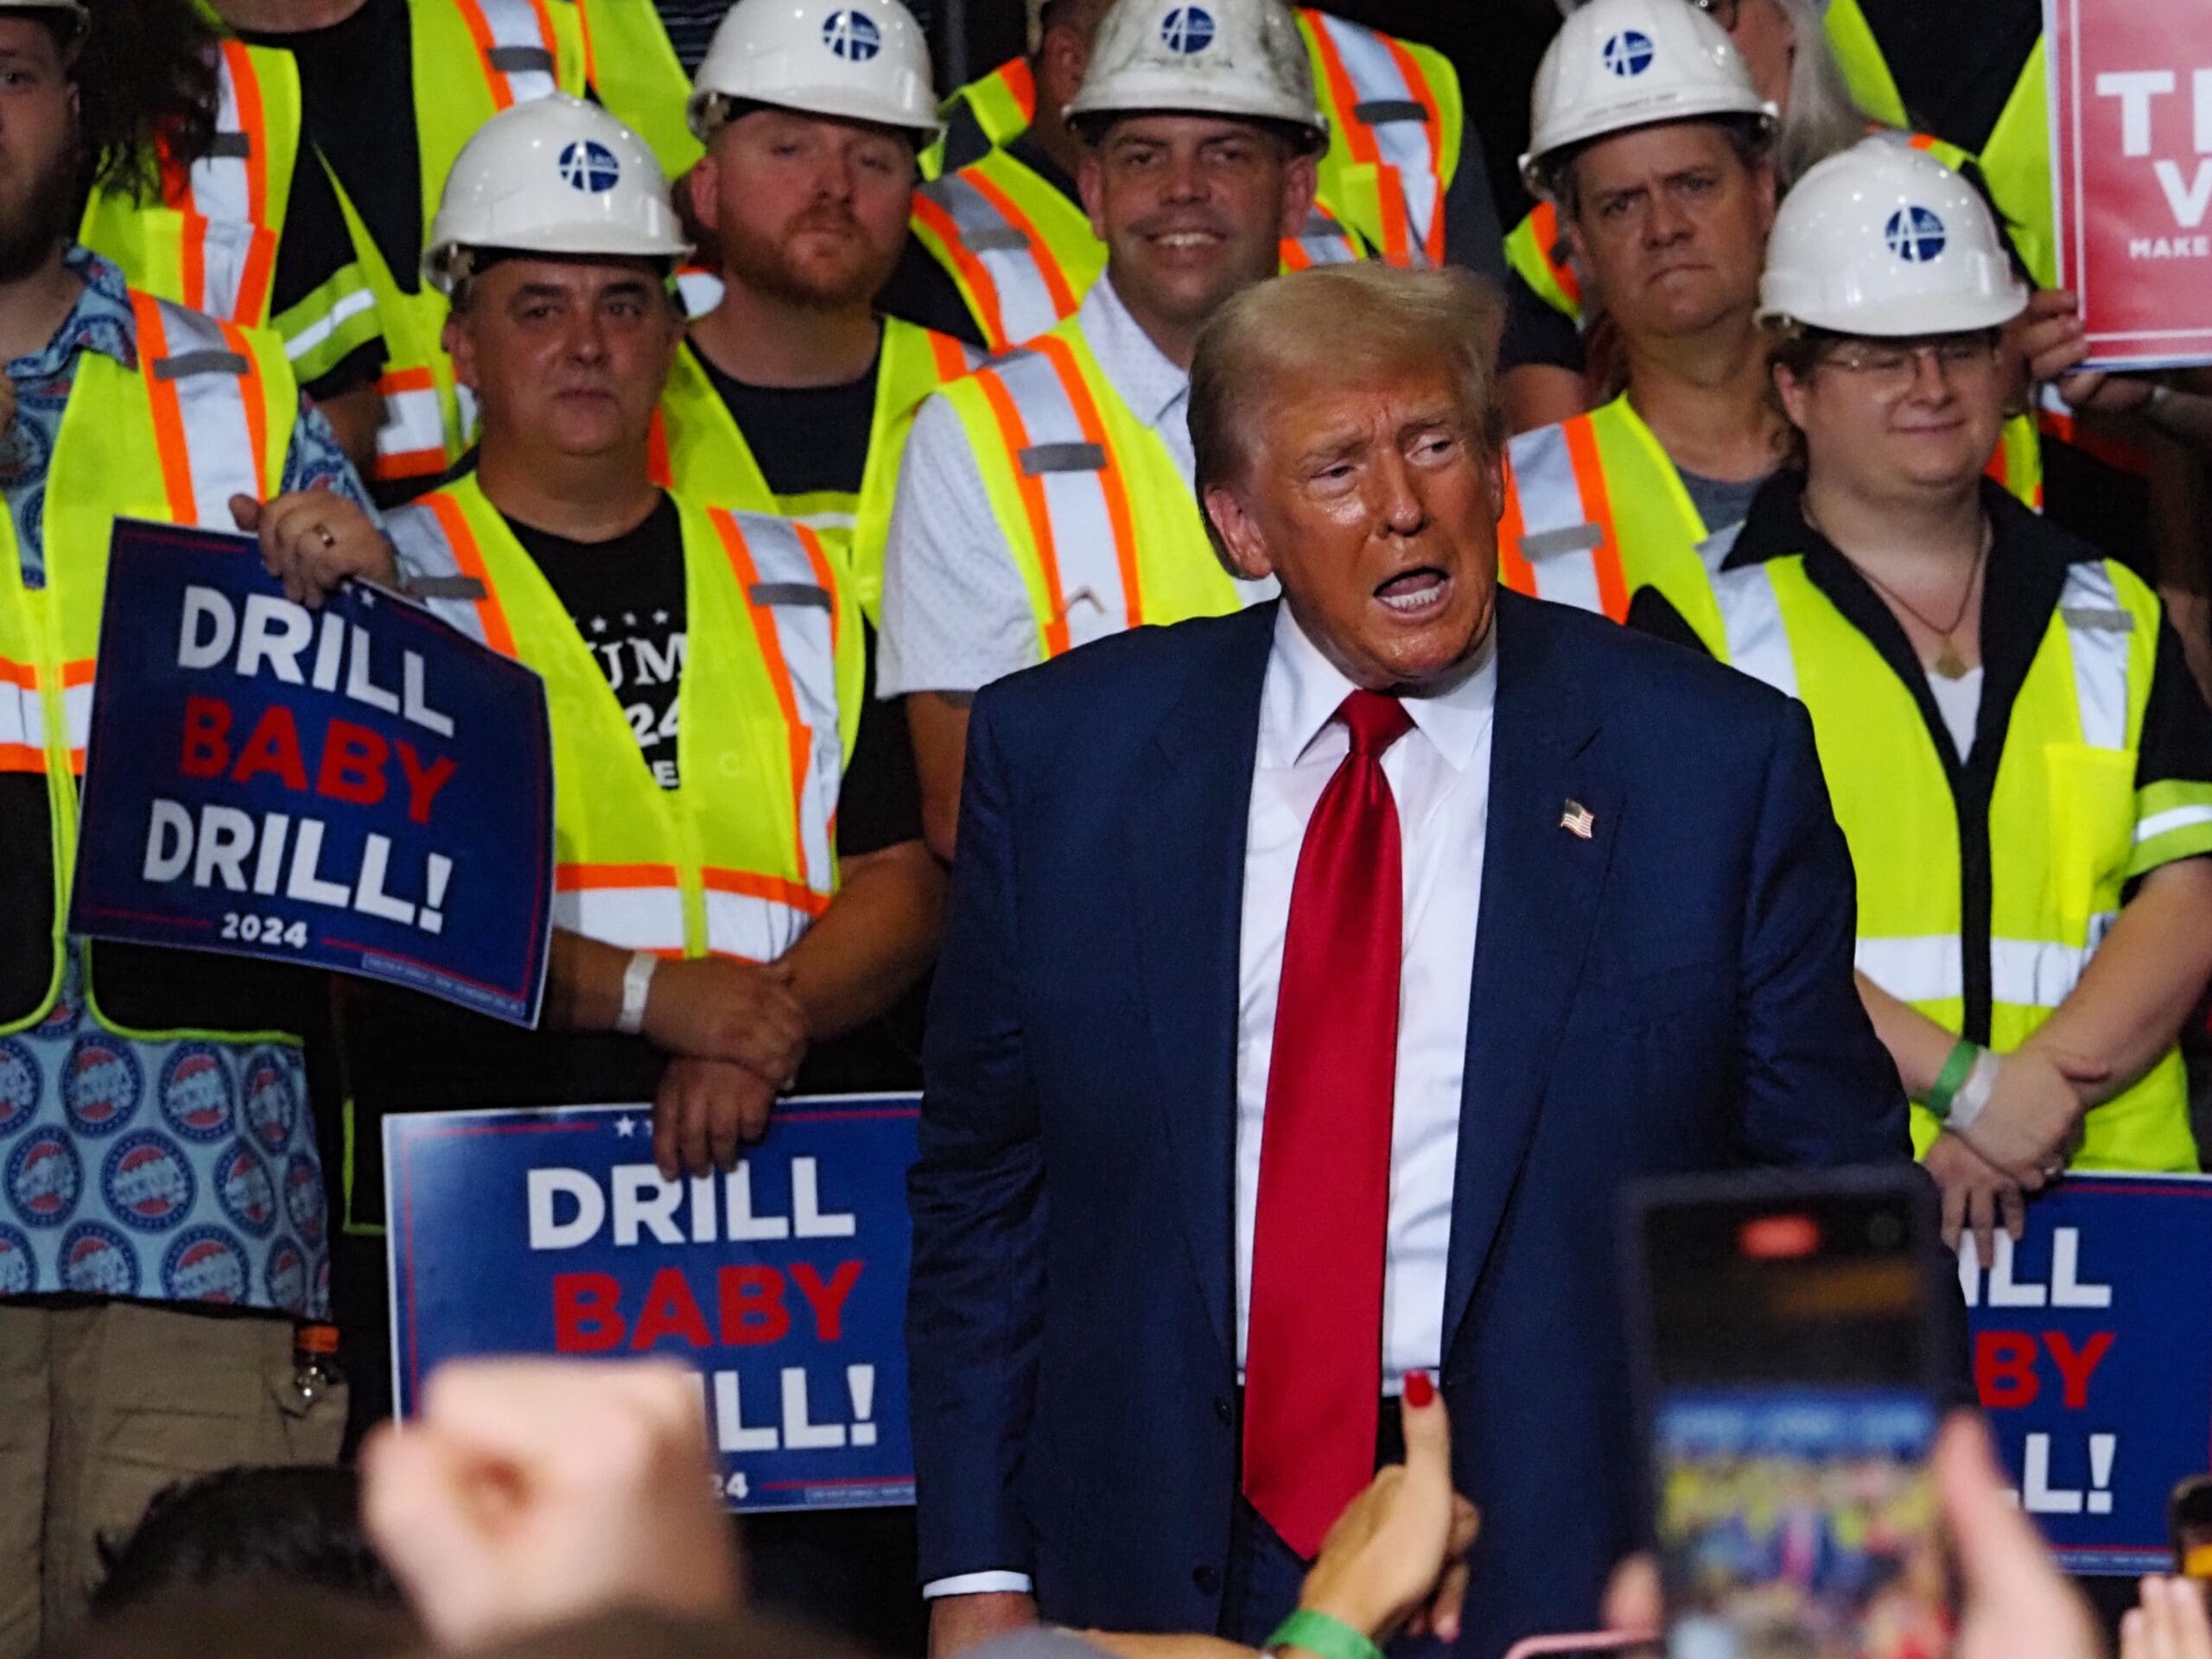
(1723, 12)
(1890, 367)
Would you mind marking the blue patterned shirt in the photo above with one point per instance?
(182, 1171)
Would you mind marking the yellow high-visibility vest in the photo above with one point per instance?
(209, 244)
(2067, 826)
(699, 453)
(1102, 526)
(208, 413)
(472, 59)
(741, 858)
(631, 67)
(1002, 103)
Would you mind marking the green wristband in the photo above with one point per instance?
(1324, 1633)
(1952, 1078)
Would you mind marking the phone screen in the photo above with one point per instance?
(1790, 1418)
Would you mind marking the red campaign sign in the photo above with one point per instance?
(2130, 99)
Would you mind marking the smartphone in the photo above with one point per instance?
(1789, 1401)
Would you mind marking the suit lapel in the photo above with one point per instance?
(1186, 829)
(1541, 883)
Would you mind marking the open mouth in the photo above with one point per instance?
(1186, 241)
(1416, 593)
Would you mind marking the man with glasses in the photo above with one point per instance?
(1650, 139)
(2017, 753)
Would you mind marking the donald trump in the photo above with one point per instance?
(1316, 977)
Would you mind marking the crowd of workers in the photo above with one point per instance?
(769, 409)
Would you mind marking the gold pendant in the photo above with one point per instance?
(1950, 664)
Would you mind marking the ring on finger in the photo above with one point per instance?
(328, 540)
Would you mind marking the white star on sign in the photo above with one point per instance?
(598, 625)
(625, 1127)
(660, 616)
(368, 596)
(630, 619)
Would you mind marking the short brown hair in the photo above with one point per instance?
(1338, 321)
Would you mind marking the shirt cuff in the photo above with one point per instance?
(977, 1584)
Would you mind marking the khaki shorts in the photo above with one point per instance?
(102, 1405)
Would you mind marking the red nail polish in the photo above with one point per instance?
(1420, 1391)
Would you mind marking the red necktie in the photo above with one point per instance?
(1313, 1345)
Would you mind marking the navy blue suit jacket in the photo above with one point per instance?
(1673, 994)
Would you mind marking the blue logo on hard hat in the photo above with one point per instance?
(589, 166)
(1187, 29)
(852, 35)
(1627, 53)
(1915, 235)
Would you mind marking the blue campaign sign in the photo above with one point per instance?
(2093, 1354)
(783, 1282)
(359, 788)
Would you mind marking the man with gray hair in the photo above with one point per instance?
(1316, 978)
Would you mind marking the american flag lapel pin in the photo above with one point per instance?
(1578, 819)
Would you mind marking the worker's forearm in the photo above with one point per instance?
(878, 937)
(583, 984)
(1918, 1046)
(2130, 1000)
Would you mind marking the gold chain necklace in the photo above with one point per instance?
(1948, 662)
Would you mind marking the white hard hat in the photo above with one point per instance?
(1208, 57)
(1884, 239)
(78, 17)
(861, 59)
(554, 175)
(1620, 64)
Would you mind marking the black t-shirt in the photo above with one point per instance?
(1955, 65)
(626, 598)
(315, 247)
(690, 25)
(357, 95)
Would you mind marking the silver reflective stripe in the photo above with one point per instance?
(1400, 131)
(1325, 242)
(221, 189)
(1714, 549)
(212, 384)
(182, 365)
(806, 634)
(2034, 974)
(1552, 505)
(2165, 824)
(1925, 969)
(1751, 625)
(1577, 538)
(1084, 550)
(429, 569)
(2100, 653)
(1040, 458)
(790, 593)
(1026, 305)
(520, 53)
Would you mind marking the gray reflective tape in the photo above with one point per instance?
(1550, 544)
(1381, 111)
(468, 587)
(2102, 621)
(520, 59)
(185, 365)
(1040, 458)
(995, 239)
(231, 146)
(789, 593)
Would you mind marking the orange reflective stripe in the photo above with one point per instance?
(490, 615)
(19, 687)
(820, 561)
(480, 30)
(1020, 80)
(982, 292)
(590, 878)
(256, 411)
(1110, 477)
(773, 888)
(799, 738)
(1397, 242)
(1424, 95)
(946, 353)
(657, 466)
(1047, 266)
(1015, 435)
(1551, 243)
(1922, 141)
(1597, 502)
(1295, 256)
(1513, 566)
(254, 283)
(168, 413)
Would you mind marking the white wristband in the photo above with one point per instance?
(1973, 1097)
(637, 984)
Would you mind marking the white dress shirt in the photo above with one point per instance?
(955, 612)
(1439, 774)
